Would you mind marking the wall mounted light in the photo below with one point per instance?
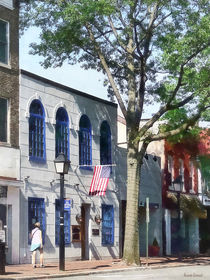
(26, 178)
(79, 218)
(52, 181)
(154, 156)
(98, 219)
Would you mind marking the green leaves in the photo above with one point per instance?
(159, 49)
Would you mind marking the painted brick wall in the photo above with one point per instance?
(41, 174)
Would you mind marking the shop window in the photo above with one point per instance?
(62, 133)
(107, 225)
(85, 142)
(36, 213)
(105, 144)
(76, 233)
(66, 222)
(36, 131)
(4, 42)
(3, 119)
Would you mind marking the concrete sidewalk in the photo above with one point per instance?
(51, 271)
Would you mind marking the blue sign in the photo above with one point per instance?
(67, 204)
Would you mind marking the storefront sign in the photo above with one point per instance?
(95, 231)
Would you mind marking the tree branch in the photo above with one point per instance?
(184, 126)
(107, 70)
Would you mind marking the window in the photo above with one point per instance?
(85, 146)
(36, 213)
(66, 221)
(181, 173)
(107, 225)
(4, 42)
(105, 144)
(3, 119)
(62, 133)
(36, 131)
(191, 176)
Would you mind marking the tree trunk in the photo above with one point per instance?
(131, 243)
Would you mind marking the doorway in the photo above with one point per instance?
(85, 213)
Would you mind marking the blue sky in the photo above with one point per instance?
(88, 81)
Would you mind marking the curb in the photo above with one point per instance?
(90, 272)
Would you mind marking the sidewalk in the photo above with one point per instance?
(51, 271)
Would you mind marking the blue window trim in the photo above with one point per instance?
(105, 144)
(38, 133)
(62, 146)
(67, 223)
(85, 146)
(36, 213)
(107, 225)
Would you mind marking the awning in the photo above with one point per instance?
(189, 204)
(10, 182)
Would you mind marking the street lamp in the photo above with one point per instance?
(61, 167)
(178, 188)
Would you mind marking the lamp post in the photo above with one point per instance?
(61, 167)
(178, 187)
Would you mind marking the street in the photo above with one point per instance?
(173, 273)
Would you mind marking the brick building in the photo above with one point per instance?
(55, 118)
(9, 126)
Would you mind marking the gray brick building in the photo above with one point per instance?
(45, 108)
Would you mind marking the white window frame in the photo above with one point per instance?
(7, 64)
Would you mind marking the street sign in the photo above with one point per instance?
(67, 204)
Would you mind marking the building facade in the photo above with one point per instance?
(10, 181)
(54, 119)
(183, 208)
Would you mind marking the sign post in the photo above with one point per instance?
(147, 225)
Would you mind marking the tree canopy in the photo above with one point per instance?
(149, 50)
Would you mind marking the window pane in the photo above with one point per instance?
(62, 133)
(36, 131)
(105, 144)
(107, 225)
(3, 42)
(36, 213)
(85, 148)
(3, 120)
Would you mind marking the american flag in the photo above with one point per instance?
(100, 180)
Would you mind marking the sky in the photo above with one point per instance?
(88, 81)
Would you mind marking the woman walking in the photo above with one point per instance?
(36, 244)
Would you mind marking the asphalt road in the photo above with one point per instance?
(173, 273)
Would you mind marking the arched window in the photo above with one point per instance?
(105, 144)
(36, 131)
(62, 133)
(85, 141)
